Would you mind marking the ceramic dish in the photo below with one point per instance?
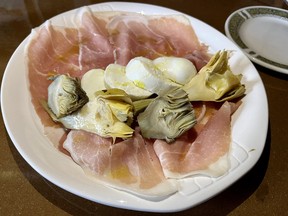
(262, 33)
(249, 127)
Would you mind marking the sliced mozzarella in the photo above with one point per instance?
(177, 69)
(93, 81)
(114, 77)
(145, 75)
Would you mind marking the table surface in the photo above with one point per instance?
(262, 191)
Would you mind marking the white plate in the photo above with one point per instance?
(249, 127)
(262, 33)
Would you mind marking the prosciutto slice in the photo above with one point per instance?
(153, 36)
(130, 165)
(52, 50)
(99, 39)
(136, 165)
(95, 51)
(95, 41)
(202, 150)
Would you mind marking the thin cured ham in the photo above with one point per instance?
(136, 165)
(154, 36)
(95, 49)
(129, 165)
(52, 50)
(149, 168)
(202, 151)
(100, 39)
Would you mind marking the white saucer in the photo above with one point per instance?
(262, 33)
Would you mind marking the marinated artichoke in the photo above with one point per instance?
(168, 116)
(215, 81)
(141, 105)
(108, 115)
(65, 96)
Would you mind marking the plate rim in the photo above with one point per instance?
(278, 67)
(161, 206)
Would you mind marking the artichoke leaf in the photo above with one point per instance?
(141, 105)
(215, 81)
(119, 102)
(167, 116)
(107, 115)
(114, 93)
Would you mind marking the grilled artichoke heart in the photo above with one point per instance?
(65, 96)
(168, 116)
(215, 81)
